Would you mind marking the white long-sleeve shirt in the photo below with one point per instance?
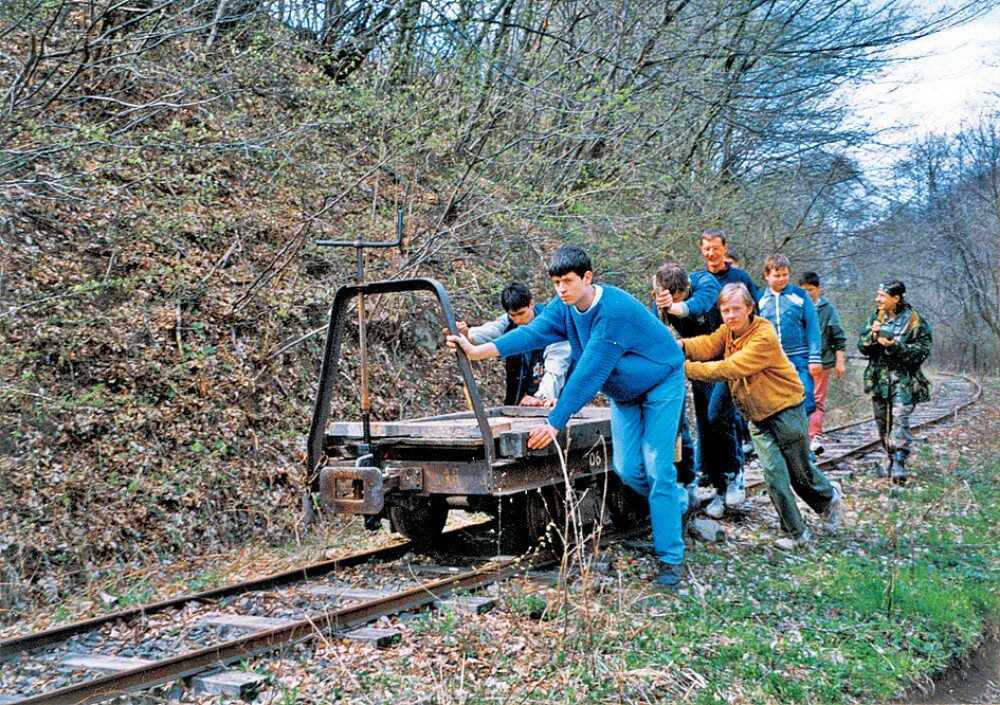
(556, 357)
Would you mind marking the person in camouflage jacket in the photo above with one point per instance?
(896, 340)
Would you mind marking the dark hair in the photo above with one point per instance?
(811, 278)
(894, 287)
(732, 253)
(671, 277)
(713, 233)
(515, 296)
(569, 259)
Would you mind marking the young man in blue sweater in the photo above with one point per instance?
(620, 349)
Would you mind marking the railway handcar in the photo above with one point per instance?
(414, 471)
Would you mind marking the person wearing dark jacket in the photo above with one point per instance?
(713, 404)
(536, 377)
(896, 340)
(687, 305)
(833, 343)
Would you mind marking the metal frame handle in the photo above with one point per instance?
(331, 359)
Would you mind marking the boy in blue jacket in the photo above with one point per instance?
(620, 349)
(791, 311)
(687, 305)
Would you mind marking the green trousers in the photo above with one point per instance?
(893, 418)
(782, 444)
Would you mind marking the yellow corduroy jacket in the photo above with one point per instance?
(761, 378)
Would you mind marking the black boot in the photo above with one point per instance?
(882, 468)
(897, 471)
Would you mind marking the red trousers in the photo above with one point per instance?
(820, 385)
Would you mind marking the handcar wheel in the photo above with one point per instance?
(547, 516)
(512, 525)
(626, 507)
(529, 518)
(419, 519)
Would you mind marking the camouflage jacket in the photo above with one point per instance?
(913, 344)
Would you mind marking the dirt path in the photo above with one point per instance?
(977, 680)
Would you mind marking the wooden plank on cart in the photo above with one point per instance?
(584, 433)
(457, 429)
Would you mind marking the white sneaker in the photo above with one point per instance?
(787, 543)
(816, 445)
(736, 494)
(831, 517)
(716, 508)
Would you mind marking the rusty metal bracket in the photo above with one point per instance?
(411, 478)
(364, 484)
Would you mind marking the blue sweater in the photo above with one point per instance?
(794, 318)
(620, 349)
(735, 275)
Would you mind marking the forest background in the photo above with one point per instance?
(167, 166)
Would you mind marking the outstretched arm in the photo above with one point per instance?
(757, 355)
(472, 351)
(489, 331)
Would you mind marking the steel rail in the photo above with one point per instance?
(170, 669)
(13, 646)
(858, 450)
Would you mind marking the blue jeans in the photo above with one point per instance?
(801, 363)
(717, 456)
(643, 434)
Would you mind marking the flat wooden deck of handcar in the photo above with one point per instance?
(510, 426)
(445, 454)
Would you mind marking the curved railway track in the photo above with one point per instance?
(163, 642)
(952, 394)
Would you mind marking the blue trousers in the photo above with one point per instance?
(717, 455)
(801, 363)
(643, 433)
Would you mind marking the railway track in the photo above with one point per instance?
(952, 394)
(189, 636)
(147, 646)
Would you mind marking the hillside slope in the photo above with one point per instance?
(155, 389)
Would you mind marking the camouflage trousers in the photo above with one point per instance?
(893, 419)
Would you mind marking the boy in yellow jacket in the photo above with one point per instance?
(745, 352)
